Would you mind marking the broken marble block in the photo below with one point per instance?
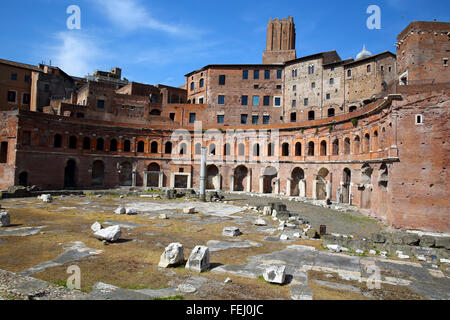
(96, 227)
(110, 234)
(275, 274)
(199, 259)
(120, 210)
(334, 248)
(231, 232)
(47, 198)
(260, 223)
(172, 256)
(5, 219)
(267, 211)
(189, 210)
(163, 216)
(131, 211)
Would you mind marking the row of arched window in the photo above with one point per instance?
(310, 150)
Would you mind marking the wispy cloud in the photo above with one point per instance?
(132, 15)
(76, 53)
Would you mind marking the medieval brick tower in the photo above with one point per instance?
(280, 41)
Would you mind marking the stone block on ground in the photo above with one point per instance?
(199, 259)
(120, 210)
(275, 274)
(47, 198)
(163, 216)
(378, 238)
(5, 219)
(189, 210)
(96, 227)
(172, 256)
(260, 222)
(427, 241)
(267, 211)
(442, 242)
(231, 232)
(131, 211)
(410, 239)
(312, 233)
(110, 234)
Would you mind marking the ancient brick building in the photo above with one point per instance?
(354, 131)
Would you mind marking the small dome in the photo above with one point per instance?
(363, 54)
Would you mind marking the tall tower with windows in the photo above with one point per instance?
(280, 41)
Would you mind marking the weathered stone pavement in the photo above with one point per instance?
(422, 279)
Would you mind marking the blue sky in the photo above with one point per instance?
(160, 41)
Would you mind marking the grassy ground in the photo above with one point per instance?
(132, 263)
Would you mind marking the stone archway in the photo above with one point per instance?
(153, 175)
(126, 174)
(297, 175)
(98, 174)
(240, 177)
(346, 181)
(366, 190)
(321, 184)
(70, 174)
(270, 174)
(212, 178)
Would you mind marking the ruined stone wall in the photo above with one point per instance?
(363, 84)
(8, 138)
(422, 48)
(420, 193)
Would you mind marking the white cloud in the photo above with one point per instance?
(132, 15)
(75, 53)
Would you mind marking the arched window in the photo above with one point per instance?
(100, 144)
(198, 149)
(183, 149)
(212, 149)
(270, 150)
(57, 141)
(323, 148)
(4, 152)
(367, 143)
(241, 149)
(353, 108)
(311, 149)
(72, 142)
(335, 147)
(227, 149)
(127, 146)
(347, 145)
(141, 147)
(113, 145)
(298, 149)
(331, 112)
(256, 150)
(356, 145)
(154, 147)
(311, 115)
(202, 82)
(86, 143)
(168, 148)
(285, 149)
(375, 146)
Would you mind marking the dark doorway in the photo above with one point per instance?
(98, 174)
(70, 174)
(126, 173)
(23, 179)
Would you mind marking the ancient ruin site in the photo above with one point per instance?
(301, 178)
